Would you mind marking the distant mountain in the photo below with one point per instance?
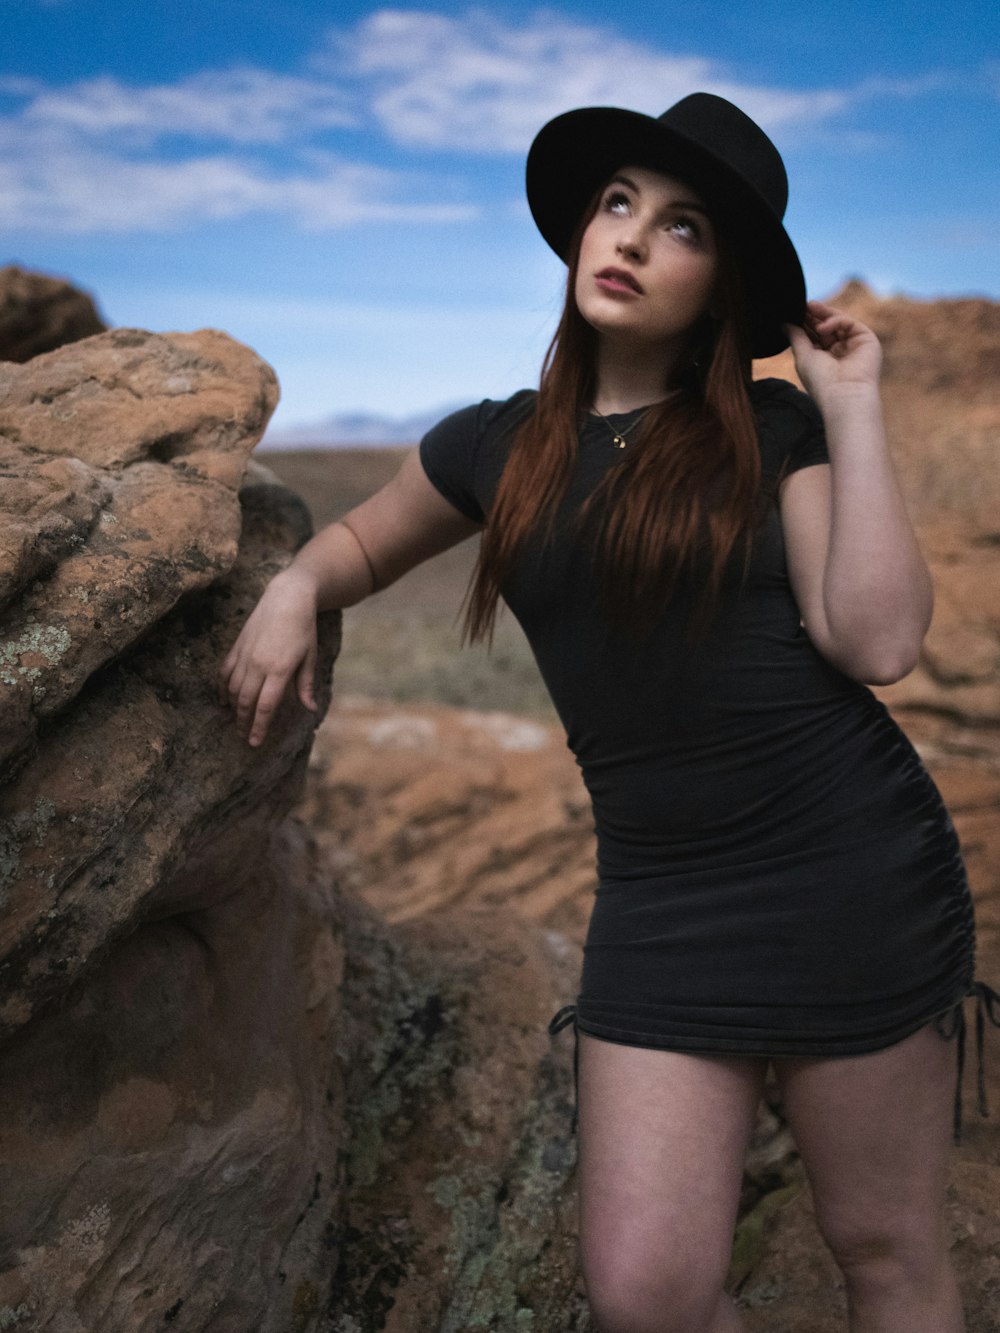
(352, 429)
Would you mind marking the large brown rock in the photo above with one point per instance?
(122, 457)
(231, 1099)
(39, 313)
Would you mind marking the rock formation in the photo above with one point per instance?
(39, 313)
(230, 1097)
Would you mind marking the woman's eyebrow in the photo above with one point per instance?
(691, 204)
(624, 180)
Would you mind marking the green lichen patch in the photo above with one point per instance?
(49, 642)
(447, 1191)
(508, 1250)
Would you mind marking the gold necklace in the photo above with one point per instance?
(618, 438)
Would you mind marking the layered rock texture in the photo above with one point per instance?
(39, 313)
(230, 1098)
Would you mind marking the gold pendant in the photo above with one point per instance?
(620, 442)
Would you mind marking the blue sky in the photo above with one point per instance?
(341, 185)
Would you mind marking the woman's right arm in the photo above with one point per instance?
(404, 523)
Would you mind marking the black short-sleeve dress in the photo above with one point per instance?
(777, 873)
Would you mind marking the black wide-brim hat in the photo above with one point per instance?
(711, 145)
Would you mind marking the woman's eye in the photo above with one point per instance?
(686, 228)
(616, 201)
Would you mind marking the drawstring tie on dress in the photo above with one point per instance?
(953, 1024)
(566, 1016)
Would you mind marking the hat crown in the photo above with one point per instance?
(726, 132)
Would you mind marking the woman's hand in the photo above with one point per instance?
(277, 642)
(407, 521)
(833, 351)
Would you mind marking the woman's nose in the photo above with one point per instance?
(631, 246)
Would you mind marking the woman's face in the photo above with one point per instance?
(648, 260)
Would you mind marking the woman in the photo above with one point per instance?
(710, 572)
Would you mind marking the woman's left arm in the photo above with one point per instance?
(862, 586)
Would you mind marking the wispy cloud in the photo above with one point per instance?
(478, 83)
(240, 106)
(69, 187)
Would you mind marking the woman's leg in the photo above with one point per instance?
(662, 1141)
(874, 1134)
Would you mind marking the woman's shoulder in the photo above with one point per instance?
(463, 454)
(490, 417)
(784, 407)
(790, 428)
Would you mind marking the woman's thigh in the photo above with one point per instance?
(874, 1134)
(662, 1137)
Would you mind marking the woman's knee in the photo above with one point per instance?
(885, 1249)
(635, 1289)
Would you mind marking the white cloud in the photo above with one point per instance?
(91, 157)
(477, 83)
(69, 187)
(238, 106)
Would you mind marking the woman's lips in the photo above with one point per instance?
(618, 280)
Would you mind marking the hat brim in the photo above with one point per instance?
(574, 155)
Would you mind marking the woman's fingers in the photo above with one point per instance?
(277, 643)
(305, 680)
(267, 703)
(224, 678)
(256, 693)
(246, 699)
(833, 330)
(797, 336)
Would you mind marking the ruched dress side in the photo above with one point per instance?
(777, 873)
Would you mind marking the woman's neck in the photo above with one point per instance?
(627, 378)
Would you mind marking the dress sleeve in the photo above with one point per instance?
(792, 426)
(448, 455)
(810, 446)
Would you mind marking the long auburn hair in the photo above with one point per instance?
(684, 495)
